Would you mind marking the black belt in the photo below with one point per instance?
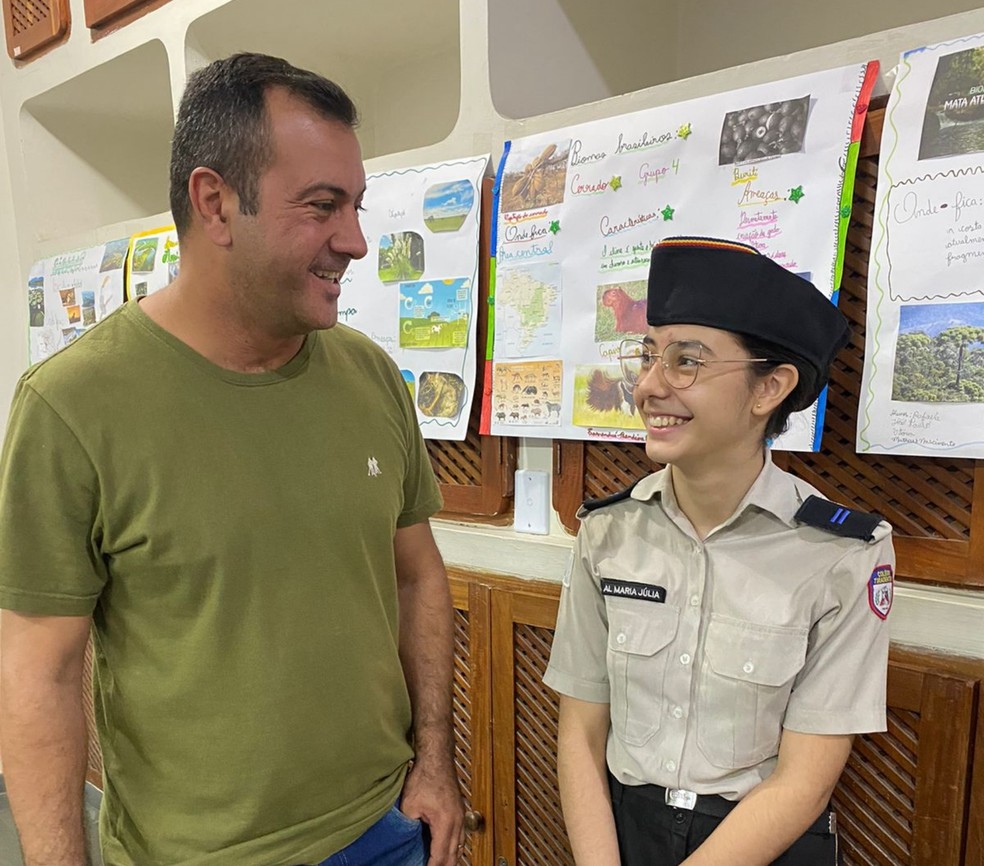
(706, 804)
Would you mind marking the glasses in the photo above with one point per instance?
(681, 361)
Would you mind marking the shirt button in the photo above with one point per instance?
(671, 766)
(685, 659)
(677, 712)
(620, 639)
(748, 667)
(694, 600)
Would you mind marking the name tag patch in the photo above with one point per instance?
(881, 589)
(631, 589)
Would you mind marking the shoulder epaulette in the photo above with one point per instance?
(824, 514)
(595, 504)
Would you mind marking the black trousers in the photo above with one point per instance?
(650, 833)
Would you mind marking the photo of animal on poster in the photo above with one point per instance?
(527, 393)
(603, 399)
(621, 311)
(534, 176)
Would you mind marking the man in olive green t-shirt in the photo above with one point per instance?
(231, 490)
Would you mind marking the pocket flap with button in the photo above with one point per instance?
(639, 627)
(764, 654)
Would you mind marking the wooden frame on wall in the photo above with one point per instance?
(935, 504)
(31, 25)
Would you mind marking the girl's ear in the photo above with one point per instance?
(770, 390)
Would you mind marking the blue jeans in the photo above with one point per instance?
(394, 840)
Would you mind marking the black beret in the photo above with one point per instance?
(729, 285)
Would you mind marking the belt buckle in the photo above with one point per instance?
(679, 798)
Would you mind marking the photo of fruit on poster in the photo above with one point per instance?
(763, 131)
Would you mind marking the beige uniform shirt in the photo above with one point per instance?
(707, 650)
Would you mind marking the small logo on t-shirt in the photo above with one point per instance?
(630, 589)
(374, 469)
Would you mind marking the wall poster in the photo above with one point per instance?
(923, 386)
(579, 209)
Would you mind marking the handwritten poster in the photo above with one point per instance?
(153, 261)
(416, 292)
(68, 293)
(579, 209)
(923, 386)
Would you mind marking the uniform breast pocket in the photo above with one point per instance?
(745, 680)
(638, 634)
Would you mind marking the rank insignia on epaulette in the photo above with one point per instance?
(827, 515)
(594, 504)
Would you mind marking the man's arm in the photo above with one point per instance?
(778, 811)
(431, 792)
(583, 775)
(42, 733)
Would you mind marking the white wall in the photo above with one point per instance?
(722, 33)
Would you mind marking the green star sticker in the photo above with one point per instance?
(845, 211)
(796, 194)
(684, 131)
(554, 226)
(615, 182)
(667, 213)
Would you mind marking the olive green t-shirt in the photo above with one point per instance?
(232, 536)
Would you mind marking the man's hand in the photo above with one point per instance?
(431, 794)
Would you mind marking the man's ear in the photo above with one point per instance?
(771, 389)
(212, 203)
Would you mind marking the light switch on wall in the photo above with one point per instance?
(532, 498)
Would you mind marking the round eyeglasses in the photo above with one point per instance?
(680, 360)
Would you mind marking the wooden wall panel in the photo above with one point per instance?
(472, 706)
(525, 714)
(31, 25)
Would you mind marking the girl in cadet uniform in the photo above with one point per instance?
(722, 631)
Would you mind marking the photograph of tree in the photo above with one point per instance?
(939, 356)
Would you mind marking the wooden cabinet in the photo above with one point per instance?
(31, 25)
(99, 13)
(912, 796)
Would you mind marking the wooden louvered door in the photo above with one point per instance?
(471, 692)
(94, 763)
(904, 796)
(529, 825)
(905, 799)
(32, 24)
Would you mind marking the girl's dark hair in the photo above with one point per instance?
(807, 388)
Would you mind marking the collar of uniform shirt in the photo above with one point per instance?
(773, 491)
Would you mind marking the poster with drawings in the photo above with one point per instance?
(416, 291)
(153, 261)
(68, 293)
(579, 209)
(923, 384)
